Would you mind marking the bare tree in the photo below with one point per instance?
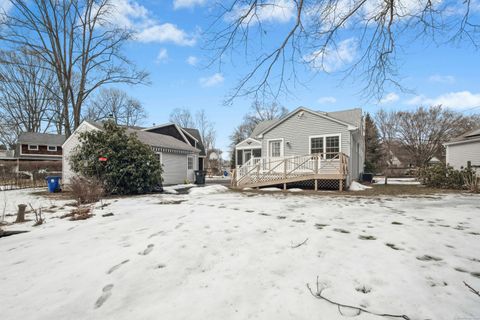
(258, 112)
(387, 125)
(116, 104)
(183, 117)
(323, 34)
(78, 42)
(206, 129)
(25, 94)
(423, 131)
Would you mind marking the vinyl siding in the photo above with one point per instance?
(297, 130)
(175, 168)
(459, 154)
(68, 148)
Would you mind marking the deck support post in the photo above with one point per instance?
(284, 186)
(340, 185)
(316, 184)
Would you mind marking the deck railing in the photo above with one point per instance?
(258, 170)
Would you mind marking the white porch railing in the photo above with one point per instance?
(272, 169)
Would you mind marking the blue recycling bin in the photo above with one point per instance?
(53, 183)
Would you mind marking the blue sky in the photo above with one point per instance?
(170, 45)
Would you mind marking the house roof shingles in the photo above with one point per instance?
(44, 139)
(471, 135)
(154, 139)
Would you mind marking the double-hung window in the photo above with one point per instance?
(190, 163)
(327, 146)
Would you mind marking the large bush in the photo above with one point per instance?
(131, 167)
(442, 176)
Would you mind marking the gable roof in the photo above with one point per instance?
(154, 139)
(351, 116)
(262, 126)
(180, 131)
(347, 114)
(45, 139)
(196, 135)
(473, 135)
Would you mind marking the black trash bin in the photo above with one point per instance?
(200, 176)
(367, 177)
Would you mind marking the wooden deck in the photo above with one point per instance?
(262, 172)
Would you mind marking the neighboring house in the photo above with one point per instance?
(187, 135)
(464, 150)
(39, 146)
(304, 145)
(179, 159)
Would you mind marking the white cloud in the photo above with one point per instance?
(211, 81)
(441, 79)
(326, 100)
(166, 32)
(5, 6)
(134, 16)
(179, 4)
(456, 100)
(162, 56)
(334, 58)
(389, 98)
(275, 11)
(192, 60)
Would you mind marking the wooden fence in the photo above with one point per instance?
(27, 174)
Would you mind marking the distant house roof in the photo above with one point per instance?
(44, 139)
(473, 135)
(154, 139)
(196, 134)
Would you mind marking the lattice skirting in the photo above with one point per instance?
(310, 185)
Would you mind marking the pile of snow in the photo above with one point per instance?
(355, 186)
(405, 181)
(295, 190)
(271, 189)
(214, 189)
(173, 189)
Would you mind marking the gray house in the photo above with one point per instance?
(463, 150)
(179, 159)
(304, 147)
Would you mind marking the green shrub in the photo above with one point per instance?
(446, 177)
(131, 167)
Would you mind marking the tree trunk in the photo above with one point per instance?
(21, 213)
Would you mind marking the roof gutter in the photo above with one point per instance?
(461, 141)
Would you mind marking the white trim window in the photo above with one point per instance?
(275, 148)
(190, 163)
(326, 145)
(52, 148)
(33, 147)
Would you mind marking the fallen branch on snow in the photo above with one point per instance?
(300, 244)
(471, 289)
(318, 295)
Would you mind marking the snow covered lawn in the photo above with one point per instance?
(215, 254)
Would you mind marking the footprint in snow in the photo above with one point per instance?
(106, 293)
(147, 250)
(155, 234)
(115, 267)
(427, 257)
